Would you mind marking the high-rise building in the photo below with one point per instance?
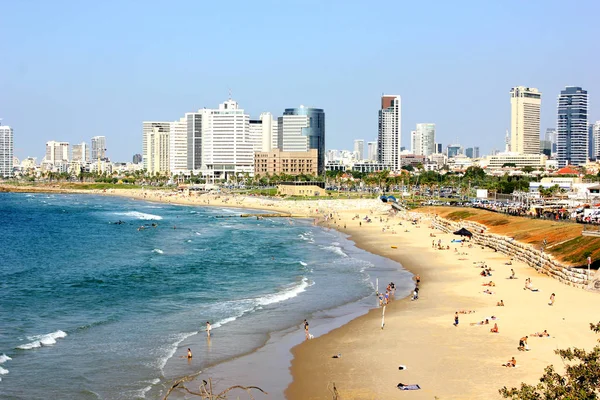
(178, 146)
(372, 151)
(301, 129)
(98, 148)
(158, 151)
(390, 131)
(359, 148)
(439, 149)
(453, 150)
(572, 126)
(137, 158)
(424, 140)
(57, 152)
(81, 152)
(525, 105)
(219, 143)
(591, 146)
(263, 132)
(476, 152)
(552, 138)
(469, 152)
(596, 133)
(149, 132)
(6, 151)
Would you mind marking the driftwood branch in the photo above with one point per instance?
(206, 390)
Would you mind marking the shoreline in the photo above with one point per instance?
(447, 361)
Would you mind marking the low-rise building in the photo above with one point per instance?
(519, 160)
(278, 161)
(302, 189)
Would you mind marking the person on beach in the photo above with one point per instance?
(494, 329)
(418, 279)
(541, 334)
(208, 328)
(306, 334)
(512, 274)
(511, 363)
(500, 303)
(523, 344)
(551, 300)
(456, 319)
(189, 354)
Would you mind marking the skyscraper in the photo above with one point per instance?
(439, 148)
(551, 137)
(425, 140)
(148, 132)
(177, 150)
(301, 129)
(6, 151)
(525, 104)
(359, 148)
(591, 146)
(453, 150)
(81, 152)
(469, 152)
(572, 126)
(372, 151)
(158, 151)
(476, 152)
(98, 148)
(137, 158)
(57, 152)
(596, 133)
(390, 131)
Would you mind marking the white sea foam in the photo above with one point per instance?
(4, 358)
(286, 294)
(3, 371)
(42, 340)
(189, 241)
(179, 338)
(140, 215)
(159, 251)
(224, 321)
(335, 249)
(142, 392)
(198, 233)
(303, 263)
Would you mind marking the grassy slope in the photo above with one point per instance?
(565, 241)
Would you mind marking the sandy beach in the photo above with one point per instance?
(447, 361)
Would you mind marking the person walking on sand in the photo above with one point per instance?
(208, 328)
(551, 300)
(456, 318)
(306, 334)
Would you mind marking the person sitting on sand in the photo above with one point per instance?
(490, 283)
(494, 329)
(511, 363)
(508, 263)
(500, 303)
(541, 334)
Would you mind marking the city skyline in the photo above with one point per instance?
(80, 74)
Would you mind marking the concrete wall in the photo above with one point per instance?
(544, 263)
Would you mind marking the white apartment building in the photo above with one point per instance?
(57, 152)
(158, 151)
(98, 148)
(520, 160)
(359, 149)
(219, 143)
(148, 131)
(372, 151)
(178, 147)
(6, 151)
(263, 133)
(389, 131)
(525, 105)
(413, 142)
(81, 153)
(424, 140)
(596, 135)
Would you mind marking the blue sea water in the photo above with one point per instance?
(91, 309)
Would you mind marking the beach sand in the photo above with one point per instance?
(447, 361)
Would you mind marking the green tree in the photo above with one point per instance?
(509, 164)
(581, 380)
(527, 169)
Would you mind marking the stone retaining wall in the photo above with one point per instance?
(544, 263)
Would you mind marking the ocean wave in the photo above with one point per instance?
(140, 215)
(159, 251)
(303, 263)
(171, 352)
(4, 358)
(224, 321)
(189, 241)
(3, 371)
(286, 294)
(142, 392)
(198, 233)
(335, 249)
(42, 340)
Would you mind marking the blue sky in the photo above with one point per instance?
(71, 70)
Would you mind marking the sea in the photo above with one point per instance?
(100, 297)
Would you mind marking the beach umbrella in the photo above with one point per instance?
(392, 199)
(463, 232)
(384, 198)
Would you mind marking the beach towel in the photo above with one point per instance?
(402, 367)
(402, 386)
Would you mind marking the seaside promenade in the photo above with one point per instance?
(447, 361)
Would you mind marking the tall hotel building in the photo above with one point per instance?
(572, 126)
(98, 148)
(525, 106)
(424, 140)
(389, 132)
(155, 151)
(178, 146)
(302, 129)
(6, 151)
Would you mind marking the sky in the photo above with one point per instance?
(71, 70)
